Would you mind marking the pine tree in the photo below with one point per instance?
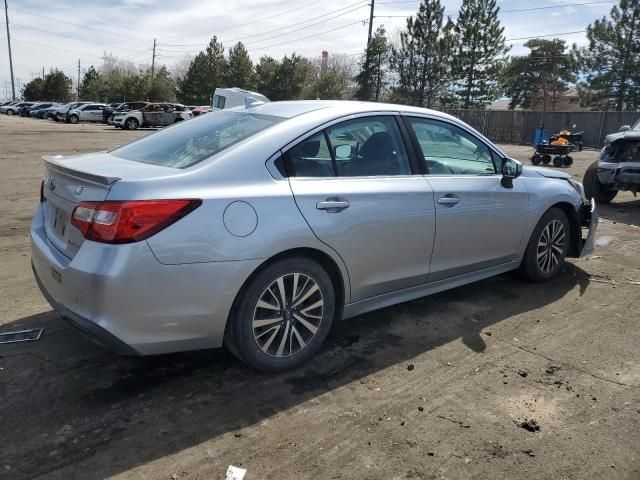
(610, 64)
(538, 79)
(371, 79)
(205, 73)
(266, 76)
(57, 86)
(34, 90)
(239, 72)
(422, 60)
(479, 51)
(88, 84)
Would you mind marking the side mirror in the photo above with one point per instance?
(510, 169)
(343, 151)
(624, 128)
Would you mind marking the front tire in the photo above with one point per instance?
(593, 189)
(73, 119)
(131, 124)
(10, 112)
(547, 247)
(282, 316)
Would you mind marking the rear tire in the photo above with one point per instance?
(273, 334)
(547, 247)
(536, 159)
(568, 161)
(558, 161)
(546, 159)
(9, 112)
(593, 189)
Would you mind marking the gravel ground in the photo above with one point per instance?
(495, 380)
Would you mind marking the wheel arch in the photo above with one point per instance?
(574, 225)
(340, 283)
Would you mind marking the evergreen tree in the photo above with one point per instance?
(290, 78)
(328, 79)
(57, 86)
(239, 72)
(610, 64)
(163, 88)
(371, 79)
(267, 76)
(205, 74)
(34, 90)
(538, 79)
(88, 84)
(479, 50)
(422, 60)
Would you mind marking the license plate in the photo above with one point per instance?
(60, 219)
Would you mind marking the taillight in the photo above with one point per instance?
(128, 221)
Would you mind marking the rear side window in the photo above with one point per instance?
(311, 158)
(188, 143)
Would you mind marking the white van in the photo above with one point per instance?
(224, 98)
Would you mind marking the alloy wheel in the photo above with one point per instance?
(288, 315)
(551, 246)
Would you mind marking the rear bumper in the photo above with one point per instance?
(589, 220)
(123, 297)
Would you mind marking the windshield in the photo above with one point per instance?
(636, 126)
(190, 142)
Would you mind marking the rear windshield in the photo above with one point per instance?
(192, 141)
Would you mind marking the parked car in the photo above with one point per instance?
(618, 167)
(34, 109)
(24, 110)
(108, 113)
(91, 112)
(224, 98)
(62, 113)
(43, 110)
(257, 228)
(15, 108)
(201, 110)
(152, 115)
(4, 105)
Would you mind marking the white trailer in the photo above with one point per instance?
(224, 98)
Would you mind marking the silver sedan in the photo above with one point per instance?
(259, 227)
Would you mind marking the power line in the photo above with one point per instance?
(66, 22)
(65, 36)
(541, 36)
(262, 19)
(361, 4)
(284, 33)
(546, 7)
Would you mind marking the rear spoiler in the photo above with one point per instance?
(56, 162)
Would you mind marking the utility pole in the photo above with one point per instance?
(78, 86)
(43, 74)
(370, 23)
(153, 60)
(13, 85)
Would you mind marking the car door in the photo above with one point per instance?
(479, 222)
(358, 190)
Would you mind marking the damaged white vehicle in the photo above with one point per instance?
(618, 167)
(152, 115)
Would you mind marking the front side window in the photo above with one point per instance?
(188, 143)
(364, 147)
(449, 150)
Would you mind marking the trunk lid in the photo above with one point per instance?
(88, 177)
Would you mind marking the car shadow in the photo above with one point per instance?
(626, 210)
(66, 399)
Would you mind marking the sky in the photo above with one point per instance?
(47, 34)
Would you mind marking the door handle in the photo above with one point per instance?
(449, 201)
(332, 205)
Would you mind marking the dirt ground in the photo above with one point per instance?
(431, 389)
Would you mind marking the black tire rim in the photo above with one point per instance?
(551, 246)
